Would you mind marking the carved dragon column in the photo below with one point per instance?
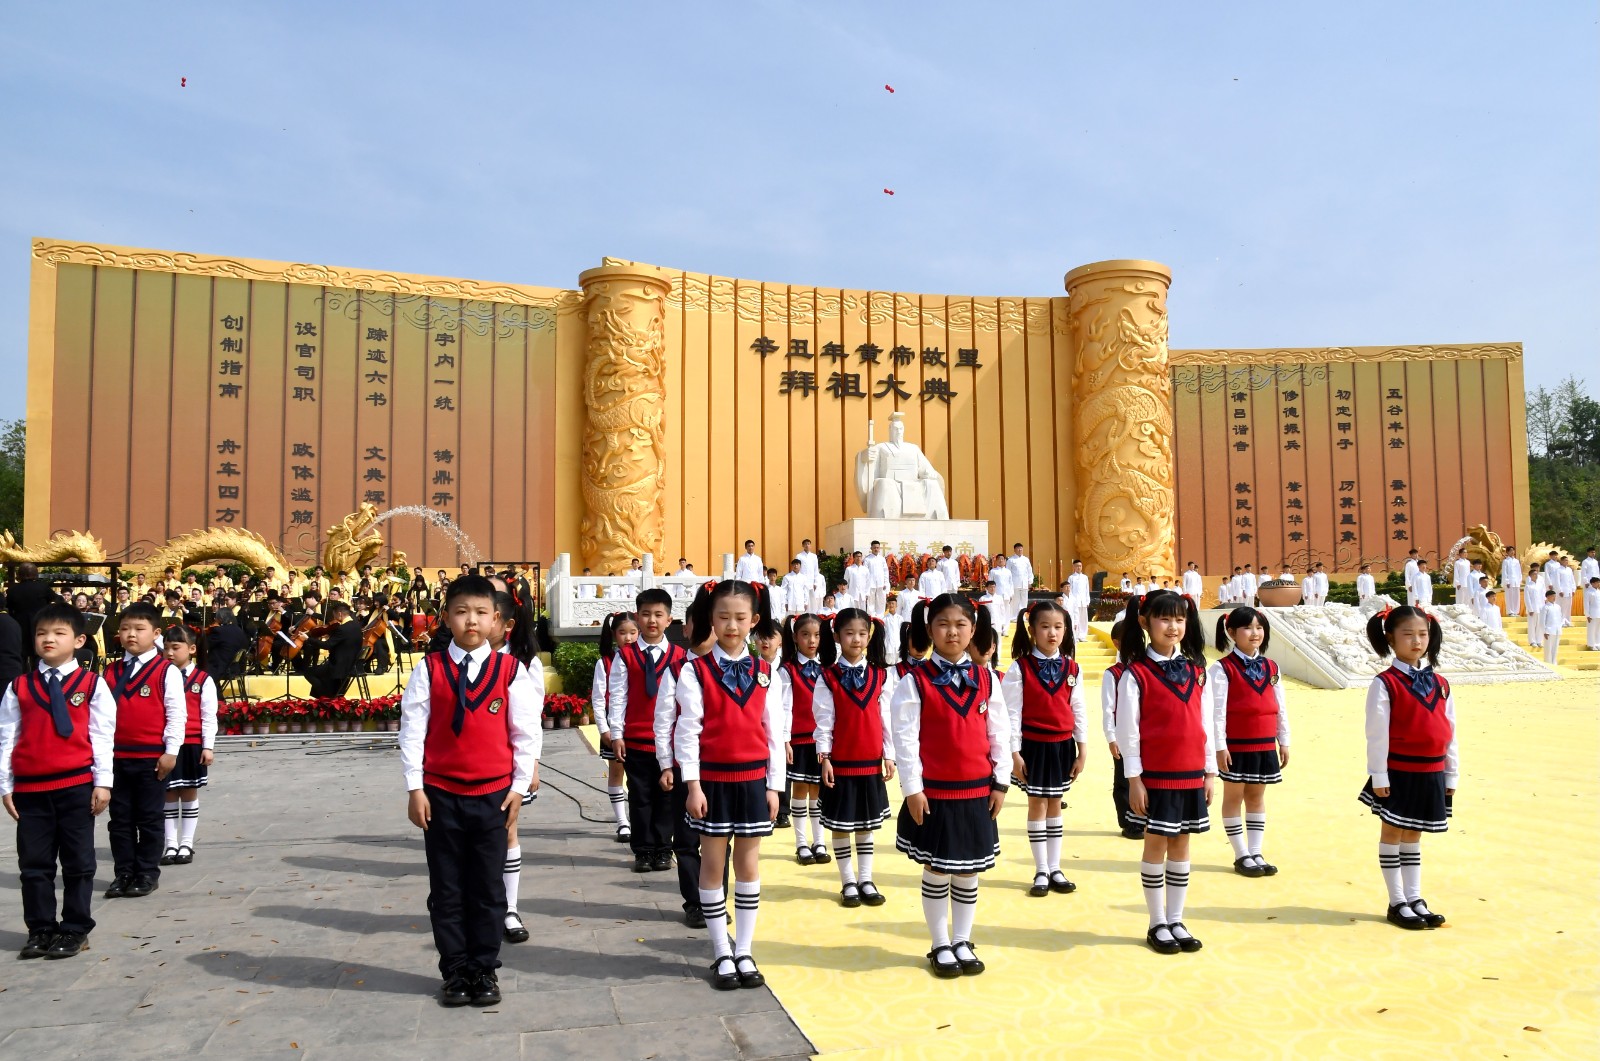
(1117, 314)
(624, 394)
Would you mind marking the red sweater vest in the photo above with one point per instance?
(41, 761)
(191, 693)
(803, 718)
(733, 738)
(477, 761)
(1419, 733)
(1047, 710)
(955, 735)
(857, 723)
(644, 681)
(141, 708)
(1252, 712)
(905, 667)
(1172, 727)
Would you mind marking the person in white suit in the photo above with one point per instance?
(1511, 579)
(1021, 569)
(877, 580)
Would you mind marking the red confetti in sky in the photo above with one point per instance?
(889, 87)
(183, 82)
(888, 191)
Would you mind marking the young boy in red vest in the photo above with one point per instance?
(56, 726)
(638, 671)
(151, 715)
(470, 741)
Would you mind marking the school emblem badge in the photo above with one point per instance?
(195, 688)
(983, 708)
(763, 680)
(144, 690)
(1072, 679)
(78, 699)
(1272, 680)
(494, 705)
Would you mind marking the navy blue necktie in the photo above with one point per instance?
(1176, 670)
(460, 717)
(1256, 669)
(811, 670)
(953, 674)
(739, 674)
(853, 678)
(1424, 682)
(1050, 670)
(58, 704)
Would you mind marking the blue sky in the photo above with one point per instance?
(1315, 174)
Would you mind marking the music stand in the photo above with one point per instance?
(288, 674)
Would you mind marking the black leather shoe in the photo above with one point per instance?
(168, 856)
(184, 856)
(725, 974)
(1429, 918)
(783, 822)
(641, 864)
(949, 970)
(1041, 885)
(819, 854)
(37, 946)
(803, 855)
(624, 835)
(66, 944)
(118, 888)
(514, 932)
(1159, 945)
(1266, 867)
(870, 894)
(749, 975)
(1400, 914)
(486, 990)
(457, 991)
(1186, 942)
(850, 896)
(1246, 867)
(1132, 833)
(693, 916)
(1060, 884)
(971, 965)
(661, 863)
(141, 886)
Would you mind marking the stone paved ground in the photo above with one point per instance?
(300, 931)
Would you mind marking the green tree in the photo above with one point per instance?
(13, 458)
(1564, 465)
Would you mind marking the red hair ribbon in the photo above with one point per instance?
(710, 585)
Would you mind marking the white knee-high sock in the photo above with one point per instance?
(1234, 827)
(798, 809)
(1177, 889)
(1389, 864)
(936, 906)
(714, 905)
(841, 855)
(619, 802)
(169, 822)
(816, 822)
(1054, 831)
(512, 872)
(746, 905)
(864, 851)
(963, 907)
(1411, 870)
(1153, 875)
(1037, 843)
(190, 815)
(1256, 826)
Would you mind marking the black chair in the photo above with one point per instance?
(233, 670)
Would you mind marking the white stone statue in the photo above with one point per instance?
(895, 480)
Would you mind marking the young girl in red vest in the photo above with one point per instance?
(1108, 720)
(807, 648)
(913, 653)
(633, 688)
(1164, 732)
(186, 650)
(1251, 733)
(1412, 764)
(685, 841)
(619, 629)
(1049, 724)
(729, 745)
(517, 637)
(951, 740)
(855, 746)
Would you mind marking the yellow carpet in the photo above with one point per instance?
(1298, 965)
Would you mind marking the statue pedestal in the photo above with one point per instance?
(901, 536)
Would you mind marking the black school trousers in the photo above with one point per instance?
(1119, 794)
(138, 800)
(686, 845)
(56, 826)
(649, 808)
(466, 847)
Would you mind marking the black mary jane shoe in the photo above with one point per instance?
(168, 857)
(749, 975)
(118, 889)
(1186, 942)
(693, 916)
(850, 896)
(184, 856)
(870, 894)
(803, 855)
(66, 944)
(970, 966)
(1431, 919)
(1060, 884)
(1264, 866)
(949, 970)
(1400, 914)
(1246, 867)
(819, 854)
(457, 991)
(1041, 885)
(624, 835)
(486, 990)
(1159, 945)
(725, 974)
(37, 946)
(514, 933)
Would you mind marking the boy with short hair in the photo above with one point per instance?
(1591, 613)
(56, 726)
(151, 716)
(470, 741)
(1550, 622)
(635, 679)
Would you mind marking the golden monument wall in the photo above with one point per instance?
(653, 410)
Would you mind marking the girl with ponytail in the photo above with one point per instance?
(1043, 691)
(952, 743)
(619, 629)
(1252, 732)
(807, 648)
(1164, 735)
(1412, 763)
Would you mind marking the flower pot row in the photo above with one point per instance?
(323, 715)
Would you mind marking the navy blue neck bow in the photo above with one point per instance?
(953, 674)
(853, 678)
(1050, 670)
(58, 704)
(1255, 669)
(1423, 681)
(811, 670)
(1176, 670)
(738, 674)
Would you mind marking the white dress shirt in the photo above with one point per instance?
(907, 711)
(208, 708)
(1378, 733)
(1247, 582)
(1004, 585)
(1461, 572)
(844, 600)
(857, 581)
(1591, 603)
(597, 696)
(796, 586)
(176, 707)
(1021, 569)
(1551, 619)
(102, 727)
(526, 695)
(1589, 568)
(1108, 706)
(617, 685)
(750, 568)
(1128, 720)
(1078, 587)
(931, 583)
(1011, 689)
(823, 708)
(1217, 684)
(950, 568)
(1511, 571)
(877, 571)
(692, 719)
(1366, 587)
(1193, 585)
(1422, 588)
